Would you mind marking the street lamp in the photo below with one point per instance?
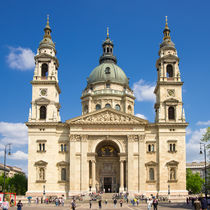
(201, 152)
(5, 154)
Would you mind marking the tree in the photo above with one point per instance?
(16, 184)
(194, 182)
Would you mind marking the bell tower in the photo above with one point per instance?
(168, 106)
(45, 88)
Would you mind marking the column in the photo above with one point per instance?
(121, 176)
(93, 176)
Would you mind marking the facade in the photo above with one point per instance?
(198, 167)
(107, 148)
(10, 171)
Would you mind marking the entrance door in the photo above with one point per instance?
(108, 184)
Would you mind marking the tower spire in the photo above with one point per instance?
(47, 29)
(107, 32)
(166, 31)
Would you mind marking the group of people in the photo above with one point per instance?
(5, 205)
(200, 203)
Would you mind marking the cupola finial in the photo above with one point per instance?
(107, 32)
(166, 31)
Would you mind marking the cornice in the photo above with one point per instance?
(46, 124)
(169, 124)
(46, 82)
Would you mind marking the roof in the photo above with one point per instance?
(108, 72)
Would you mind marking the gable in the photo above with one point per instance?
(40, 163)
(42, 101)
(107, 116)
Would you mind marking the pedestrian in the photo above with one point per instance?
(115, 203)
(137, 202)
(99, 204)
(106, 201)
(155, 203)
(19, 205)
(90, 202)
(127, 200)
(121, 203)
(149, 204)
(73, 205)
(5, 204)
(204, 204)
(62, 201)
(197, 204)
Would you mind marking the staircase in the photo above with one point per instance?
(107, 196)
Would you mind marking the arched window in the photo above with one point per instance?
(171, 113)
(107, 105)
(153, 148)
(40, 147)
(172, 174)
(65, 148)
(169, 70)
(174, 147)
(61, 147)
(129, 109)
(149, 148)
(98, 106)
(44, 70)
(41, 174)
(170, 148)
(43, 147)
(107, 49)
(43, 112)
(151, 174)
(63, 174)
(117, 107)
(107, 70)
(85, 109)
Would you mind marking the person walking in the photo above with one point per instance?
(90, 203)
(155, 203)
(19, 205)
(106, 201)
(73, 205)
(115, 203)
(5, 204)
(204, 204)
(197, 204)
(99, 204)
(121, 203)
(149, 204)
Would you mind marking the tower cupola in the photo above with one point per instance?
(47, 39)
(108, 46)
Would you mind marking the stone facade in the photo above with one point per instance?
(107, 148)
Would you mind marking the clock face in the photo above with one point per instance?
(171, 92)
(43, 92)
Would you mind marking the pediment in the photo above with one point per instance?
(171, 100)
(42, 100)
(172, 163)
(151, 163)
(107, 116)
(40, 163)
(62, 163)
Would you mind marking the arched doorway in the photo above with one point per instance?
(107, 167)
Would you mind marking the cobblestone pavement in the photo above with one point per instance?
(109, 206)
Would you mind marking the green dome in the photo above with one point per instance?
(108, 72)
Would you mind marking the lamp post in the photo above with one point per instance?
(5, 155)
(201, 152)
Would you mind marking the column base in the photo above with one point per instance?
(122, 190)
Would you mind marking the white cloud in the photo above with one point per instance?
(193, 145)
(14, 133)
(21, 58)
(141, 116)
(144, 91)
(206, 123)
(19, 155)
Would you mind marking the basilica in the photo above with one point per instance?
(106, 149)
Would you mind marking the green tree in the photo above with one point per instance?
(194, 182)
(18, 184)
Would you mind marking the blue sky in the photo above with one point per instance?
(78, 28)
